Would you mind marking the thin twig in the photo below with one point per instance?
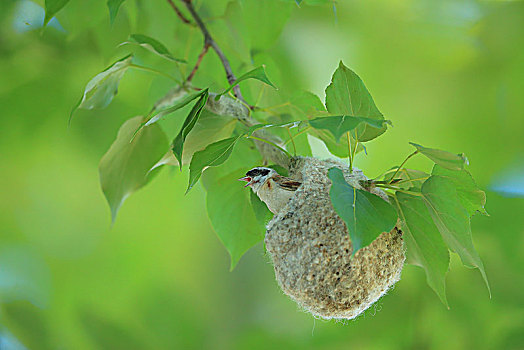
(354, 150)
(411, 180)
(178, 12)
(350, 154)
(401, 165)
(208, 40)
(268, 153)
(298, 134)
(205, 49)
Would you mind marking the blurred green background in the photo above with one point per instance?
(449, 74)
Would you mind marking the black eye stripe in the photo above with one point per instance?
(257, 171)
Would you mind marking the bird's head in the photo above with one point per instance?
(257, 176)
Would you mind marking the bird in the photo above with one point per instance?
(272, 188)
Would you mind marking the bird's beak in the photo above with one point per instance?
(246, 178)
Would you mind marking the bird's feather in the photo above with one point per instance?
(286, 183)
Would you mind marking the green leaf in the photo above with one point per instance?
(262, 213)
(209, 128)
(258, 73)
(100, 90)
(125, 166)
(153, 45)
(283, 127)
(424, 245)
(338, 148)
(368, 131)
(105, 333)
(338, 125)
(347, 95)
(320, 2)
(52, 7)
(246, 157)
(366, 215)
(179, 102)
(29, 324)
(258, 24)
(213, 155)
(311, 2)
(452, 220)
(300, 144)
(471, 197)
(156, 115)
(114, 6)
(445, 159)
(189, 123)
(307, 105)
(232, 216)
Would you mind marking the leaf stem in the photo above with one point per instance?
(350, 153)
(259, 97)
(411, 180)
(401, 165)
(270, 143)
(354, 150)
(152, 70)
(298, 134)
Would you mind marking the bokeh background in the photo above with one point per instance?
(449, 74)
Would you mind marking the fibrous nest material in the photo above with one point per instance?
(312, 252)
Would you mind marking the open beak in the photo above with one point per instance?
(246, 178)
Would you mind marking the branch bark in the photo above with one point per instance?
(205, 49)
(227, 105)
(178, 12)
(208, 40)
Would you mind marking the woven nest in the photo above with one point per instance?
(311, 250)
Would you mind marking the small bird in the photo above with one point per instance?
(273, 189)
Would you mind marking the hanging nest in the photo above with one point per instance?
(311, 250)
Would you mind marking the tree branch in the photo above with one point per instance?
(208, 40)
(178, 12)
(197, 64)
(226, 105)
